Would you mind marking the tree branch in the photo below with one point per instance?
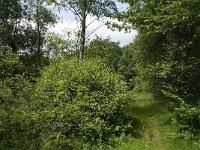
(91, 22)
(94, 31)
(75, 11)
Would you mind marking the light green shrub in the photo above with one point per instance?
(80, 103)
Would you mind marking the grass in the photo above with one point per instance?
(156, 130)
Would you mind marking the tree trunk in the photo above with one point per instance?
(83, 31)
(39, 45)
(39, 34)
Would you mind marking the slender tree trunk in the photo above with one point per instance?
(39, 34)
(83, 31)
(39, 44)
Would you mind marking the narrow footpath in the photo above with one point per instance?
(155, 130)
(148, 111)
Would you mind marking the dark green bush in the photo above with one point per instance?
(14, 92)
(188, 118)
(80, 103)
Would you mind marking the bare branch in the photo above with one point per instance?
(91, 22)
(74, 10)
(94, 31)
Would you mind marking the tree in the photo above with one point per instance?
(174, 24)
(43, 17)
(83, 8)
(109, 52)
(23, 25)
(10, 16)
(127, 63)
(177, 36)
(57, 46)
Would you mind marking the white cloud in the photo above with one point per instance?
(65, 26)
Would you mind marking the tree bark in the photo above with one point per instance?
(39, 34)
(83, 31)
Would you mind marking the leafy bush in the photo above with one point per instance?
(13, 86)
(181, 82)
(188, 118)
(14, 92)
(80, 103)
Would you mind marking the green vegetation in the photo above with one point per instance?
(143, 96)
(81, 101)
(106, 50)
(158, 131)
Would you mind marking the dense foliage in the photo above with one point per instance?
(106, 50)
(84, 102)
(167, 50)
(50, 100)
(14, 91)
(188, 119)
(73, 103)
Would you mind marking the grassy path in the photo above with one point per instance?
(148, 112)
(155, 130)
(152, 135)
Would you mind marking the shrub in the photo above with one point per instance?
(14, 92)
(188, 118)
(80, 103)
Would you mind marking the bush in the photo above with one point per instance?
(188, 118)
(14, 92)
(80, 103)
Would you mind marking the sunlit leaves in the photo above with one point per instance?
(83, 101)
